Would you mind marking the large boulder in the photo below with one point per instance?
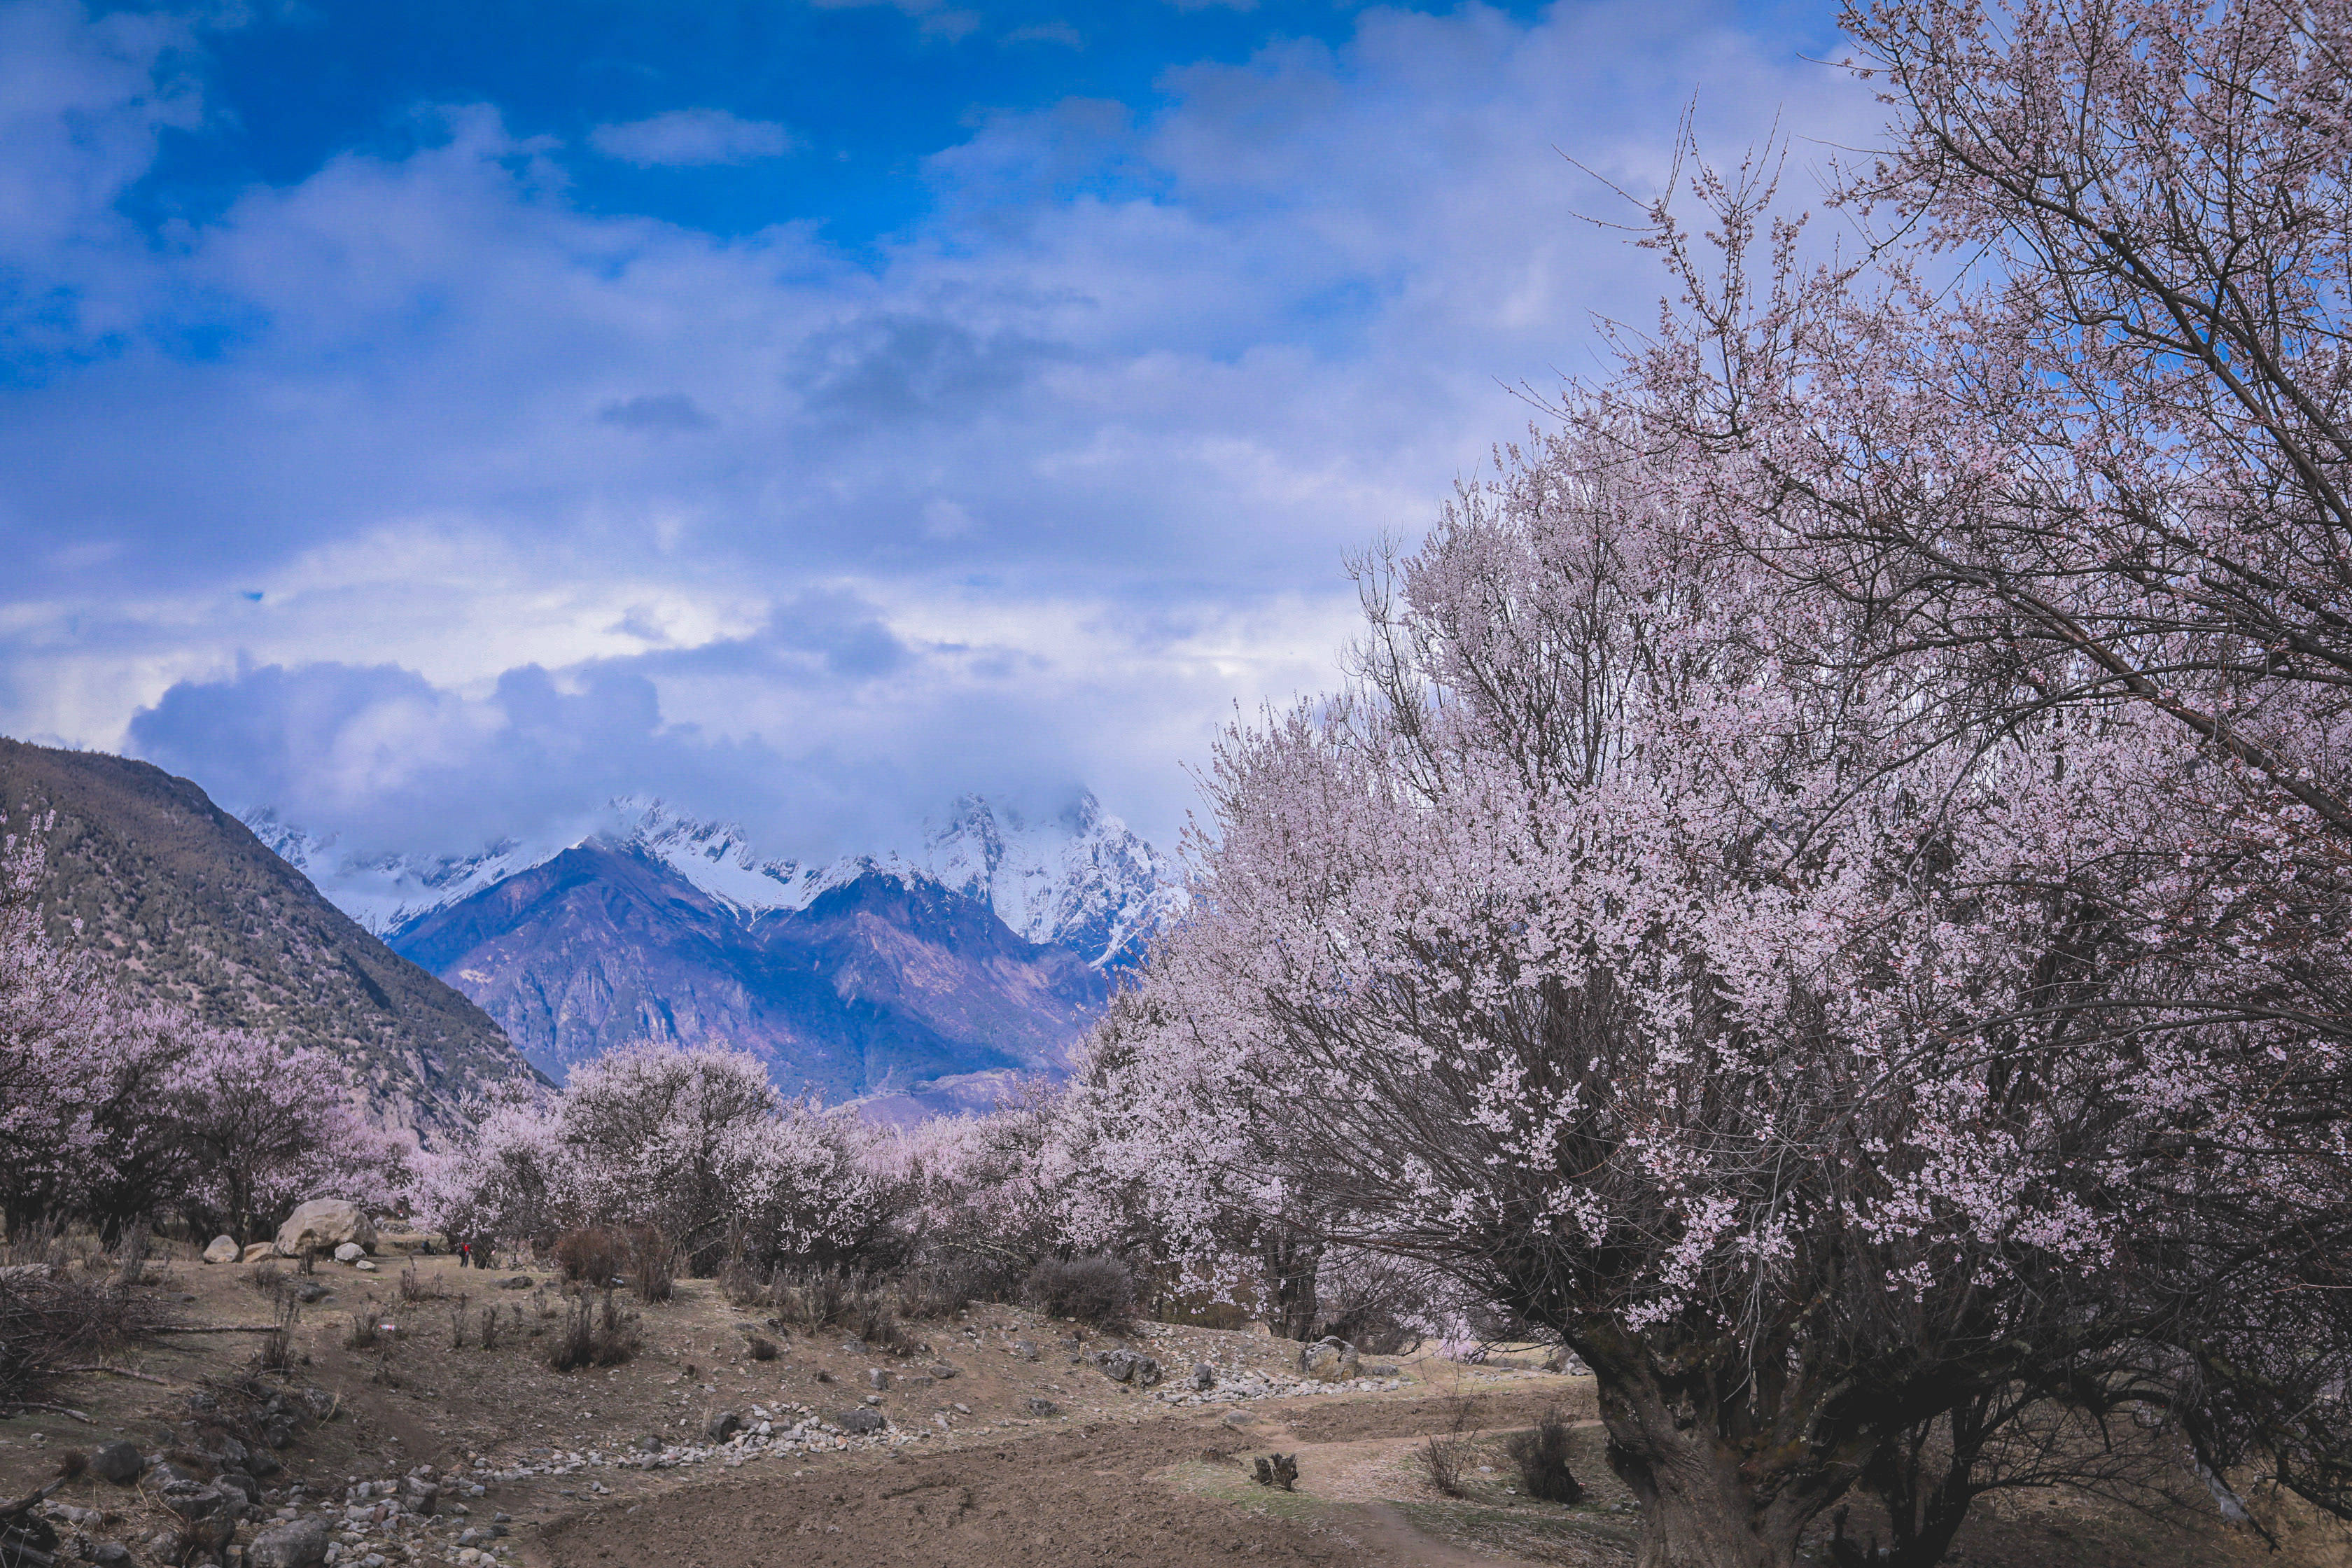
(323, 1225)
(119, 1462)
(1329, 1360)
(255, 1251)
(297, 1543)
(223, 1249)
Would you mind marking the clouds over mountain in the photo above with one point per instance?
(493, 485)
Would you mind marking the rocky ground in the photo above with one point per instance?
(1000, 1438)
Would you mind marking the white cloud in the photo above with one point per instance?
(1089, 445)
(684, 137)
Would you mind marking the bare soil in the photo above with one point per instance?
(611, 1469)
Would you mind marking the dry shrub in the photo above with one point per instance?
(366, 1332)
(652, 1264)
(594, 1335)
(420, 1287)
(815, 1301)
(1452, 1456)
(1097, 1290)
(940, 1288)
(48, 1324)
(592, 1257)
(739, 1284)
(276, 1352)
(459, 1316)
(267, 1276)
(1542, 1458)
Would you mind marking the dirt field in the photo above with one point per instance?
(618, 1468)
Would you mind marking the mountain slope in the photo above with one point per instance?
(189, 907)
(879, 983)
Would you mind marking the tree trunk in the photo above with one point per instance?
(1710, 1500)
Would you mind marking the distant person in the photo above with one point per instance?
(465, 1255)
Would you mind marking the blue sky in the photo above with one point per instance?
(432, 417)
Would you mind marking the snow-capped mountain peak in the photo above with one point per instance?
(1080, 879)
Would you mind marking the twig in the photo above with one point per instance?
(60, 1409)
(216, 1329)
(121, 1371)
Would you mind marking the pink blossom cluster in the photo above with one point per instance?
(115, 1111)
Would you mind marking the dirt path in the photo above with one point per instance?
(1089, 1496)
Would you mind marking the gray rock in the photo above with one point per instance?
(1024, 1350)
(262, 1463)
(193, 1501)
(350, 1252)
(230, 1452)
(1204, 1376)
(419, 1495)
(296, 1543)
(1329, 1360)
(649, 1444)
(1043, 1407)
(722, 1425)
(310, 1290)
(244, 1484)
(223, 1249)
(863, 1420)
(942, 1371)
(119, 1462)
(1121, 1364)
(322, 1404)
(519, 1282)
(163, 1474)
(322, 1224)
(110, 1554)
(878, 1377)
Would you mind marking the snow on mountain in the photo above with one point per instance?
(1080, 879)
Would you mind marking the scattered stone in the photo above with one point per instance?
(1204, 1376)
(350, 1252)
(110, 1554)
(223, 1249)
(648, 1444)
(878, 1377)
(1329, 1360)
(244, 1484)
(722, 1425)
(1043, 1407)
(322, 1224)
(1024, 1350)
(278, 1434)
(519, 1282)
(419, 1495)
(864, 1420)
(193, 1501)
(310, 1290)
(295, 1544)
(942, 1371)
(322, 1404)
(1121, 1364)
(364, 1266)
(119, 1462)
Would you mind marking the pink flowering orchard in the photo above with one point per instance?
(1826, 886)
(116, 1112)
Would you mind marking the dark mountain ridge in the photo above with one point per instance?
(186, 905)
